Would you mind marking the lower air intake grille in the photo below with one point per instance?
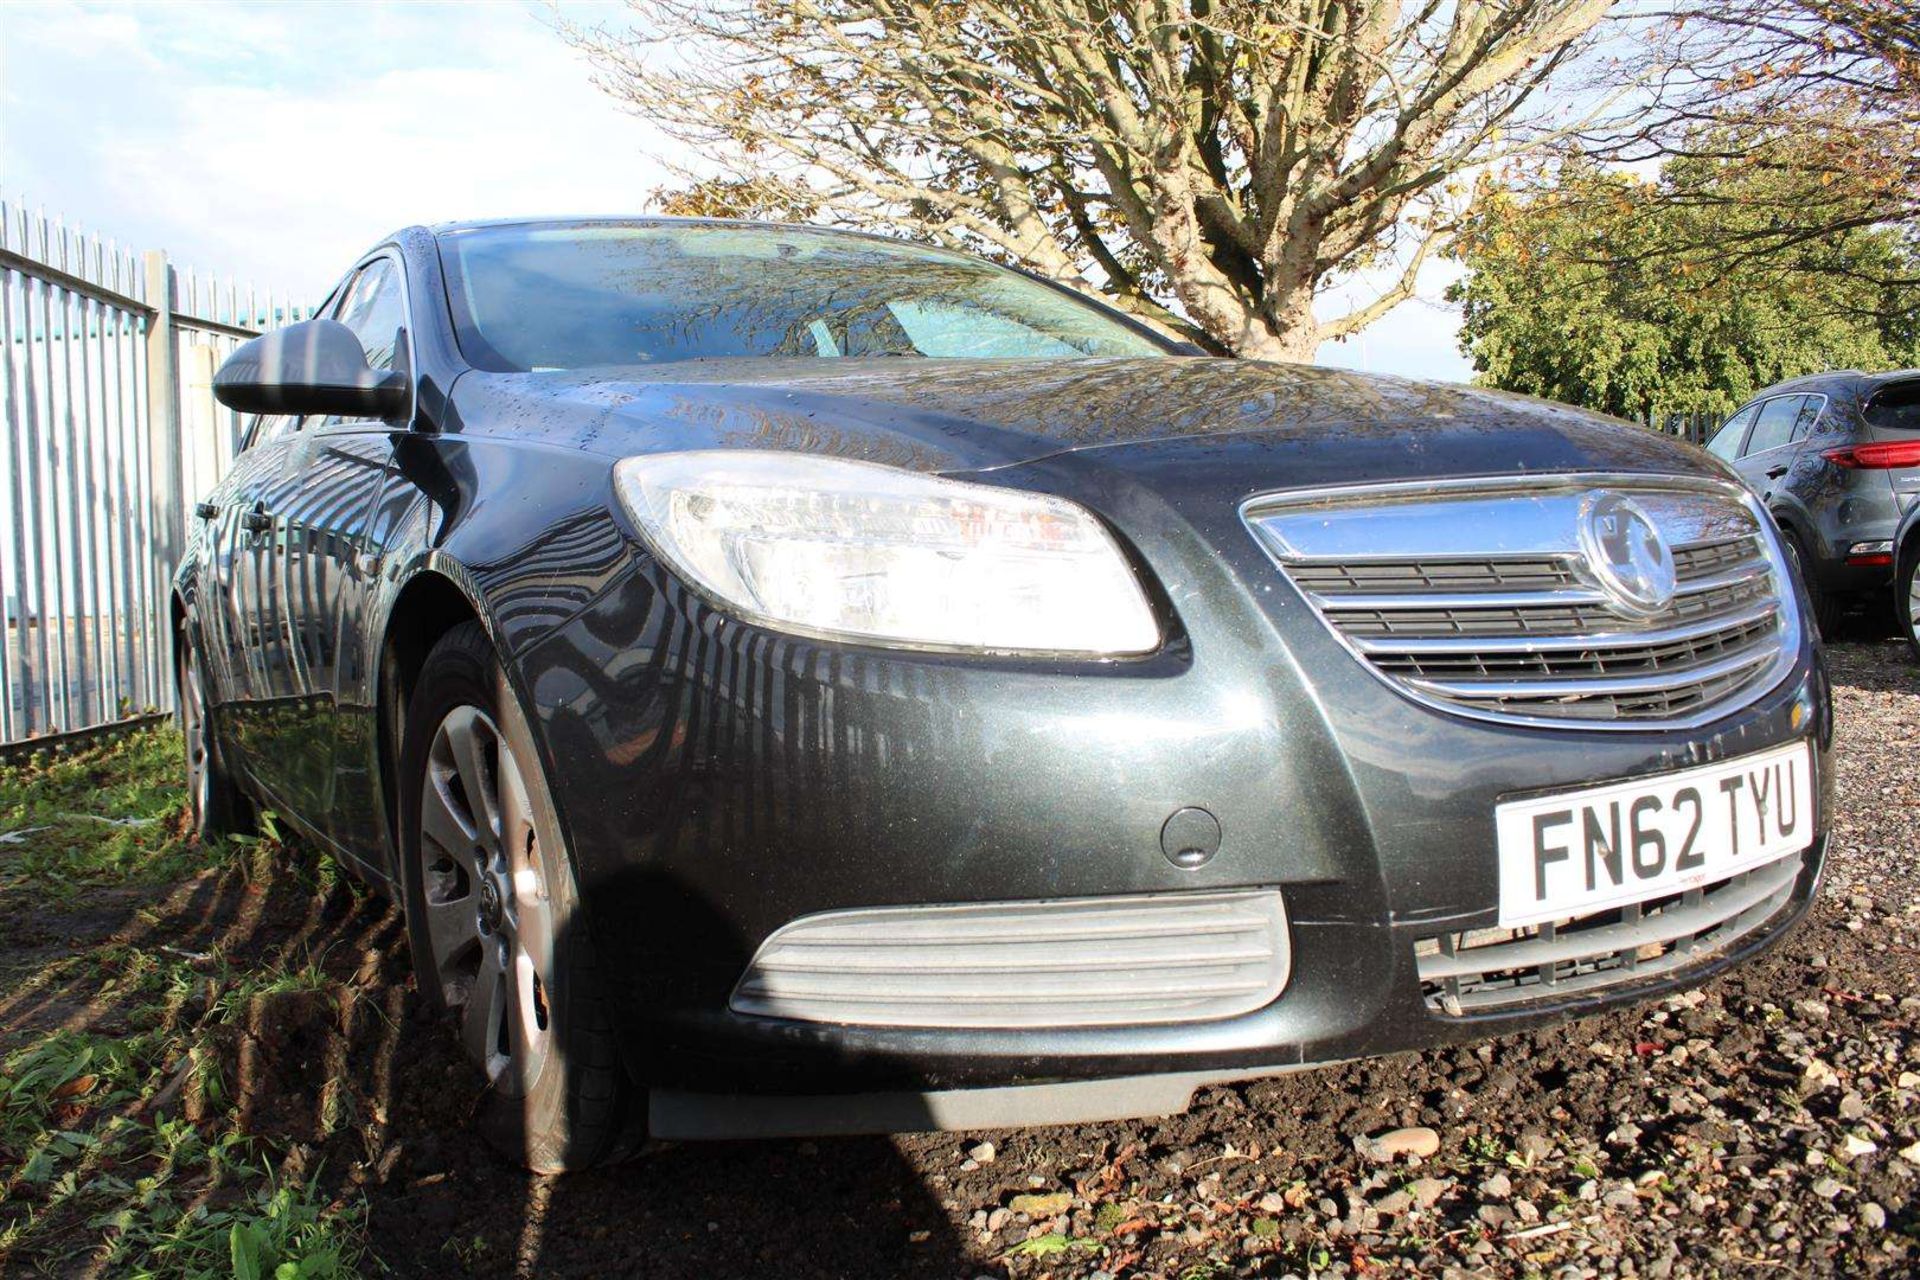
(1084, 962)
(1486, 970)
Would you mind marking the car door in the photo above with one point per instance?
(230, 661)
(1802, 487)
(328, 480)
(260, 679)
(1767, 454)
(1732, 435)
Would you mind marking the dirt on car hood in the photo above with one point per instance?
(975, 415)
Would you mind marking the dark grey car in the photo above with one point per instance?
(800, 682)
(1836, 459)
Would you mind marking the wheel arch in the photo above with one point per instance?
(1788, 518)
(1906, 546)
(1906, 555)
(430, 603)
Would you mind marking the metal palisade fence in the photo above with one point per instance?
(111, 433)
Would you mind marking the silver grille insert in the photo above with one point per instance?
(1485, 970)
(1479, 597)
(1082, 962)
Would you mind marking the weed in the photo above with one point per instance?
(1486, 1148)
(277, 1231)
(240, 989)
(468, 1251)
(1052, 1243)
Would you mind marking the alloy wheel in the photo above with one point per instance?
(488, 913)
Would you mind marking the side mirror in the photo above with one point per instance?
(316, 366)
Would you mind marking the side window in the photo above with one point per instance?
(1810, 410)
(1726, 441)
(372, 309)
(1774, 426)
(267, 427)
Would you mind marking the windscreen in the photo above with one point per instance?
(569, 297)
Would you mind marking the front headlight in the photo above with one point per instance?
(859, 551)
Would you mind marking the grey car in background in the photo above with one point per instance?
(1836, 459)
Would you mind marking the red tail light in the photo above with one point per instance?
(1876, 457)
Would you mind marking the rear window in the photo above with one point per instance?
(1895, 406)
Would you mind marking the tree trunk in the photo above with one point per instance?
(1282, 330)
(1297, 346)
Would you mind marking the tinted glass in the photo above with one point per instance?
(567, 297)
(1811, 408)
(1726, 441)
(1895, 407)
(1774, 427)
(270, 428)
(372, 309)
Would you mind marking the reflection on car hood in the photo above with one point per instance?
(972, 415)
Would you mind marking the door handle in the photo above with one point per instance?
(1774, 473)
(205, 510)
(258, 520)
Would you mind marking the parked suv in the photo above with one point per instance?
(1836, 459)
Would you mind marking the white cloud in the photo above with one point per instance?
(277, 142)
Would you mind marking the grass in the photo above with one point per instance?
(122, 1149)
(109, 815)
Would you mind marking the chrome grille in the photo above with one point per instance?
(1072, 962)
(1478, 598)
(1432, 575)
(1486, 970)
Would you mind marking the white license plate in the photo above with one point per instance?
(1606, 846)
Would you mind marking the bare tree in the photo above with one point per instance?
(1208, 164)
(1804, 112)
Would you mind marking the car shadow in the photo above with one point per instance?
(827, 1207)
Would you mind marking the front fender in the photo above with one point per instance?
(525, 530)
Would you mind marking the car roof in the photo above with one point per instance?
(1854, 379)
(667, 220)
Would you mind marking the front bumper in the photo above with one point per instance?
(841, 1081)
(718, 781)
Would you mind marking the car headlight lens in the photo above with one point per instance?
(859, 551)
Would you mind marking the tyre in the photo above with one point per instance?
(1906, 601)
(215, 802)
(1827, 607)
(493, 919)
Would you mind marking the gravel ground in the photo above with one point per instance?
(1768, 1123)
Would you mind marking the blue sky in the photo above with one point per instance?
(276, 141)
